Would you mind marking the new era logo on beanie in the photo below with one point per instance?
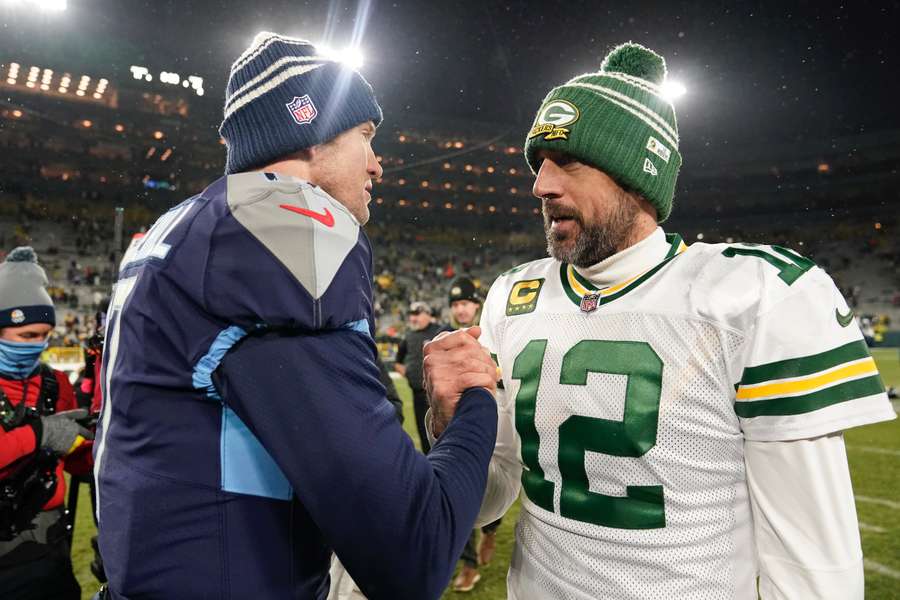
(618, 121)
(23, 299)
(283, 96)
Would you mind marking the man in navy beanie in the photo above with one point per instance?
(245, 434)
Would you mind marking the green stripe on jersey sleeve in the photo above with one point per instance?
(805, 365)
(795, 405)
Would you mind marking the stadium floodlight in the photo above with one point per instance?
(673, 90)
(352, 57)
(138, 72)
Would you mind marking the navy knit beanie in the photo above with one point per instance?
(283, 96)
(23, 299)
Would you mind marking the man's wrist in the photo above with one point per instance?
(432, 429)
(439, 425)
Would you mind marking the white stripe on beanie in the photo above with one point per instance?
(637, 104)
(602, 91)
(271, 69)
(260, 42)
(647, 86)
(269, 86)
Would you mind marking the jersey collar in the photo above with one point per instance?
(619, 274)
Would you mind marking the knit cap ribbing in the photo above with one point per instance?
(283, 95)
(617, 120)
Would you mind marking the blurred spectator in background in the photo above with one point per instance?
(409, 361)
(465, 301)
(868, 329)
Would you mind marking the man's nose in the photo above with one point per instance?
(547, 183)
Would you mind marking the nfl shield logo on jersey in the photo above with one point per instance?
(302, 109)
(589, 302)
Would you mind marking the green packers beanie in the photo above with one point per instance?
(618, 121)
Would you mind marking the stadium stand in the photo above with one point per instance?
(455, 198)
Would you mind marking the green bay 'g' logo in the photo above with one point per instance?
(552, 119)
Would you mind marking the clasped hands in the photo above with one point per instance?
(454, 362)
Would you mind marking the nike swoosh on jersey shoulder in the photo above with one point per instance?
(844, 320)
(312, 253)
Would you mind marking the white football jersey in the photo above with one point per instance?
(627, 408)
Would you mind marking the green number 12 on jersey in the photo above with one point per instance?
(643, 506)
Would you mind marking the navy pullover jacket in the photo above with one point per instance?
(244, 432)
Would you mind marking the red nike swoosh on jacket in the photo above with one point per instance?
(326, 218)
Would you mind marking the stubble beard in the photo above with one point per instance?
(596, 241)
(331, 178)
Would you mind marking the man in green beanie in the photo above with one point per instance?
(673, 414)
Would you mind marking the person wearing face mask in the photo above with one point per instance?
(39, 437)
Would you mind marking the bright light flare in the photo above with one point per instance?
(673, 90)
(350, 56)
(45, 5)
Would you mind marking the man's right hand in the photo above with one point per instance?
(454, 362)
(61, 433)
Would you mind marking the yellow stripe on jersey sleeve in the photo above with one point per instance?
(808, 383)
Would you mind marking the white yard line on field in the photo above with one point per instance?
(879, 501)
(874, 450)
(872, 528)
(881, 569)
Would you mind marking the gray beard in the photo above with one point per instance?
(596, 242)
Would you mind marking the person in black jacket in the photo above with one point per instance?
(465, 301)
(409, 361)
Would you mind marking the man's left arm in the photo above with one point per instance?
(805, 525)
(804, 375)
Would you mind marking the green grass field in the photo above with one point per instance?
(874, 454)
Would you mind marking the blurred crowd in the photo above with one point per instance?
(416, 262)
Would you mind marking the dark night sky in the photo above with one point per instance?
(756, 73)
